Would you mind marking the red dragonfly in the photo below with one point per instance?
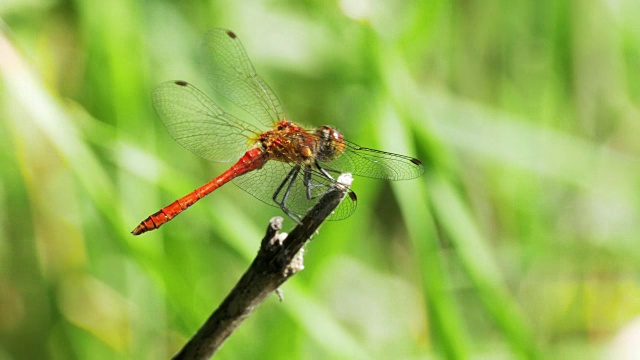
(284, 164)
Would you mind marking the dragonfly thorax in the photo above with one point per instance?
(289, 142)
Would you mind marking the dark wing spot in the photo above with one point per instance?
(231, 34)
(181, 83)
(353, 196)
(416, 161)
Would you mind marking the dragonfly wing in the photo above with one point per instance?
(264, 183)
(373, 163)
(198, 124)
(231, 74)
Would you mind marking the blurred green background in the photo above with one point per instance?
(520, 241)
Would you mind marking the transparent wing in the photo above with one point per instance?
(264, 183)
(231, 74)
(361, 161)
(198, 124)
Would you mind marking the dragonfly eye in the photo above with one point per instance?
(327, 133)
(330, 145)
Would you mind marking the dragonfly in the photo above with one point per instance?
(277, 161)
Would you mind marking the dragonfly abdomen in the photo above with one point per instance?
(251, 160)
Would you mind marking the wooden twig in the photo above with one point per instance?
(279, 258)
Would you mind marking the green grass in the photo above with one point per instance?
(520, 241)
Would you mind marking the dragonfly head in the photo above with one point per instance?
(330, 144)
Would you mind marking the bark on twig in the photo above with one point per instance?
(279, 258)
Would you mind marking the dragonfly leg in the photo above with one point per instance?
(324, 172)
(290, 179)
(310, 186)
